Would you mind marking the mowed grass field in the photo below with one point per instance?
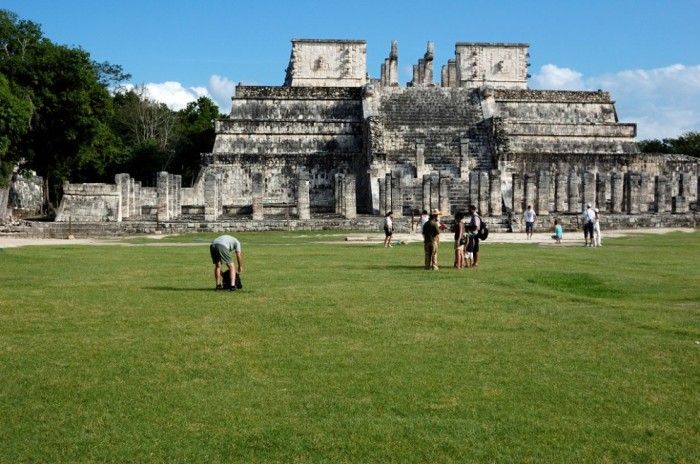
(351, 353)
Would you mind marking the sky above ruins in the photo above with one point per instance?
(645, 53)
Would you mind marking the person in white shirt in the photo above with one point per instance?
(529, 216)
(597, 239)
(388, 229)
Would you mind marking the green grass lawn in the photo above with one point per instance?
(336, 353)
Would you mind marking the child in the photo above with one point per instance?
(558, 231)
(469, 258)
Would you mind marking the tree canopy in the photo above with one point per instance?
(686, 144)
(65, 116)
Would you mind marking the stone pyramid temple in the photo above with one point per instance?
(331, 143)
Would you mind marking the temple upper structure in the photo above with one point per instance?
(327, 63)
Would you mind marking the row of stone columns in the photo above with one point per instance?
(130, 193)
(168, 196)
(345, 195)
(630, 192)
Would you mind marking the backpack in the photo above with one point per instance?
(483, 233)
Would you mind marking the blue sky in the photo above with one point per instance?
(646, 53)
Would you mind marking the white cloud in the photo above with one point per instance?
(221, 90)
(664, 102)
(552, 77)
(173, 94)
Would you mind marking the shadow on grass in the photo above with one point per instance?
(178, 289)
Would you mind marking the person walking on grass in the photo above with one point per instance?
(558, 231)
(388, 228)
(220, 250)
(459, 240)
(529, 221)
(431, 241)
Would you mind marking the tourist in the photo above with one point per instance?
(459, 240)
(424, 217)
(473, 243)
(529, 221)
(388, 228)
(588, 219)
(558, 231)
(431, 241)
(597, 239)
(220, 250)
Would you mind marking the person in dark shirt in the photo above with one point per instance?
(431, 241)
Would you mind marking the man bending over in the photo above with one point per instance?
(220, 250)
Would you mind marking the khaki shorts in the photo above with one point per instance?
(219, 254)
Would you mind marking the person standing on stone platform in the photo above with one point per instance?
(529, 221)
(220, 251)
(431, 241)
(388, 228)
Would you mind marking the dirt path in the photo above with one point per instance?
(570, 239)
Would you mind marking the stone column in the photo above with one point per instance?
(633, 192)
(444, 200)
(464, 158)
(382, 197)
(338, 191)
(396, 199)
(4, 203)
(163, 196)
(496, 201)
(574, 193)
(434, 191)
(177, 193)
(426, 192)
(258, 186)
(303, 199)
(589, 188)
(680, 204)
(561, 194)
(137, 199)
(420, 158)
(644, 188)
(123, 187)
(600, 195)
(660, 199)
(616, 192)
(543, 181)
(211, 196)
(349, 196)
(474, 188)
(530, 190)
(518, 194)
(484, 195)
(132, 198)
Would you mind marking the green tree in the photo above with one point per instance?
(71, 106)
(686, 144)
(15, 115)
(194, 135)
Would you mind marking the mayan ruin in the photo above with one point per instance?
(332, 144)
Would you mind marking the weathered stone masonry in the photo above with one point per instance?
(332, 142)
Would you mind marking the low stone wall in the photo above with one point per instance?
(570, 222)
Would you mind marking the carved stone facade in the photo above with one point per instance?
(331, 142)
